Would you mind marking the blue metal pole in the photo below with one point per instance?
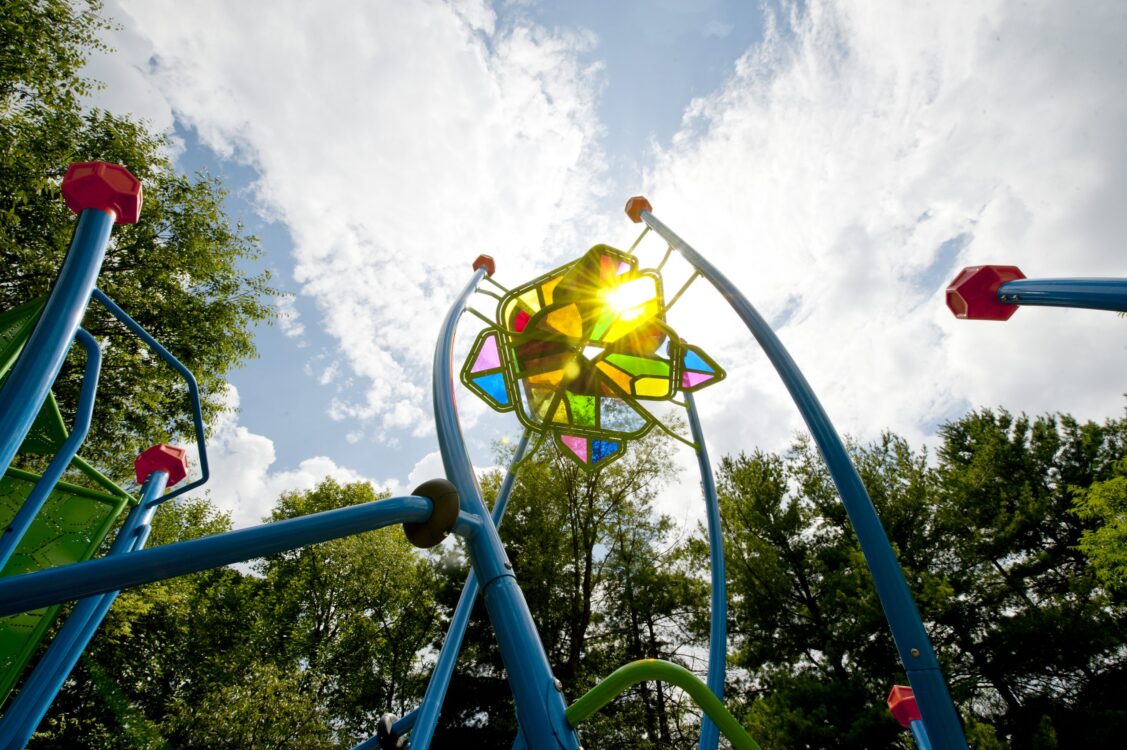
(718, 632)
(38, 366)
(24, 517)
(78, 580)
(448, 656)
(35, 697)
(908, 633)
(1095, 294)
(540, 705)
(920, 735)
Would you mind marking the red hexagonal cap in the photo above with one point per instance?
(106, 187)
(635, 206)
(486, 262)
(162, 457)
(902, 704)
(973, 294)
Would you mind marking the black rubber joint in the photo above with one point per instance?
(432, 531)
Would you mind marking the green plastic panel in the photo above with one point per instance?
(70, 528)
(15, 327)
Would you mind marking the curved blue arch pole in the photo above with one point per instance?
(452, 645)
(718, 630)
(34, 698)
(539, 703)
(908, 633)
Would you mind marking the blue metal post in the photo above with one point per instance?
(452, 645)
(908, 633)
(24, 517)
(718, 632)
(37, 367)
(920, 735)
(35, 697)
(78, 580)
(540, 705)
(1095, 294)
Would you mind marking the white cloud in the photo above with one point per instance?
(244, 483)
(396, 141)
(862, 155)
(289, 319)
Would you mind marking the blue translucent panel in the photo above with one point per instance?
(663, 350)
(494, 385)
(619, 416)
(602, 449)
(694, 362)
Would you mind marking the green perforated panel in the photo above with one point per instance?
(15, 327)
(70, 528)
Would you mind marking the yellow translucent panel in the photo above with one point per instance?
(549, 288)
(639, 317)
(508, 312)
(549, 379)
(652, 387)
(561, 414)
(530, 300)
(567, 321)
(618, 376)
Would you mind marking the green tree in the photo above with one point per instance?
(1010, 555)
(184, 271)
(349, 616)
(988, 543)
(164, 644)
(580, 543)
(1106, 546)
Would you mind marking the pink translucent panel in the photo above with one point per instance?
(623, 267)
(487, 358)
(689, 379)
(577, 445)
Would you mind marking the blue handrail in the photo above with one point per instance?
(193, 388)
(46, 484)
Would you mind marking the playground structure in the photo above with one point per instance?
(576, 354)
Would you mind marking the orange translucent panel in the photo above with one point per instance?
(619, 377)
(567, 321)
(549, 379)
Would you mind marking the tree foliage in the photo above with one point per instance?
(992, 550)
(183, 271)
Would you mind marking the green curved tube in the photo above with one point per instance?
(657, 669)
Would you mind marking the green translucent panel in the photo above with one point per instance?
(582, 409)
(639, 365)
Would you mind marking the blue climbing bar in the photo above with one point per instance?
(995, 293)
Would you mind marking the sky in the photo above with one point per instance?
(839, 161)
